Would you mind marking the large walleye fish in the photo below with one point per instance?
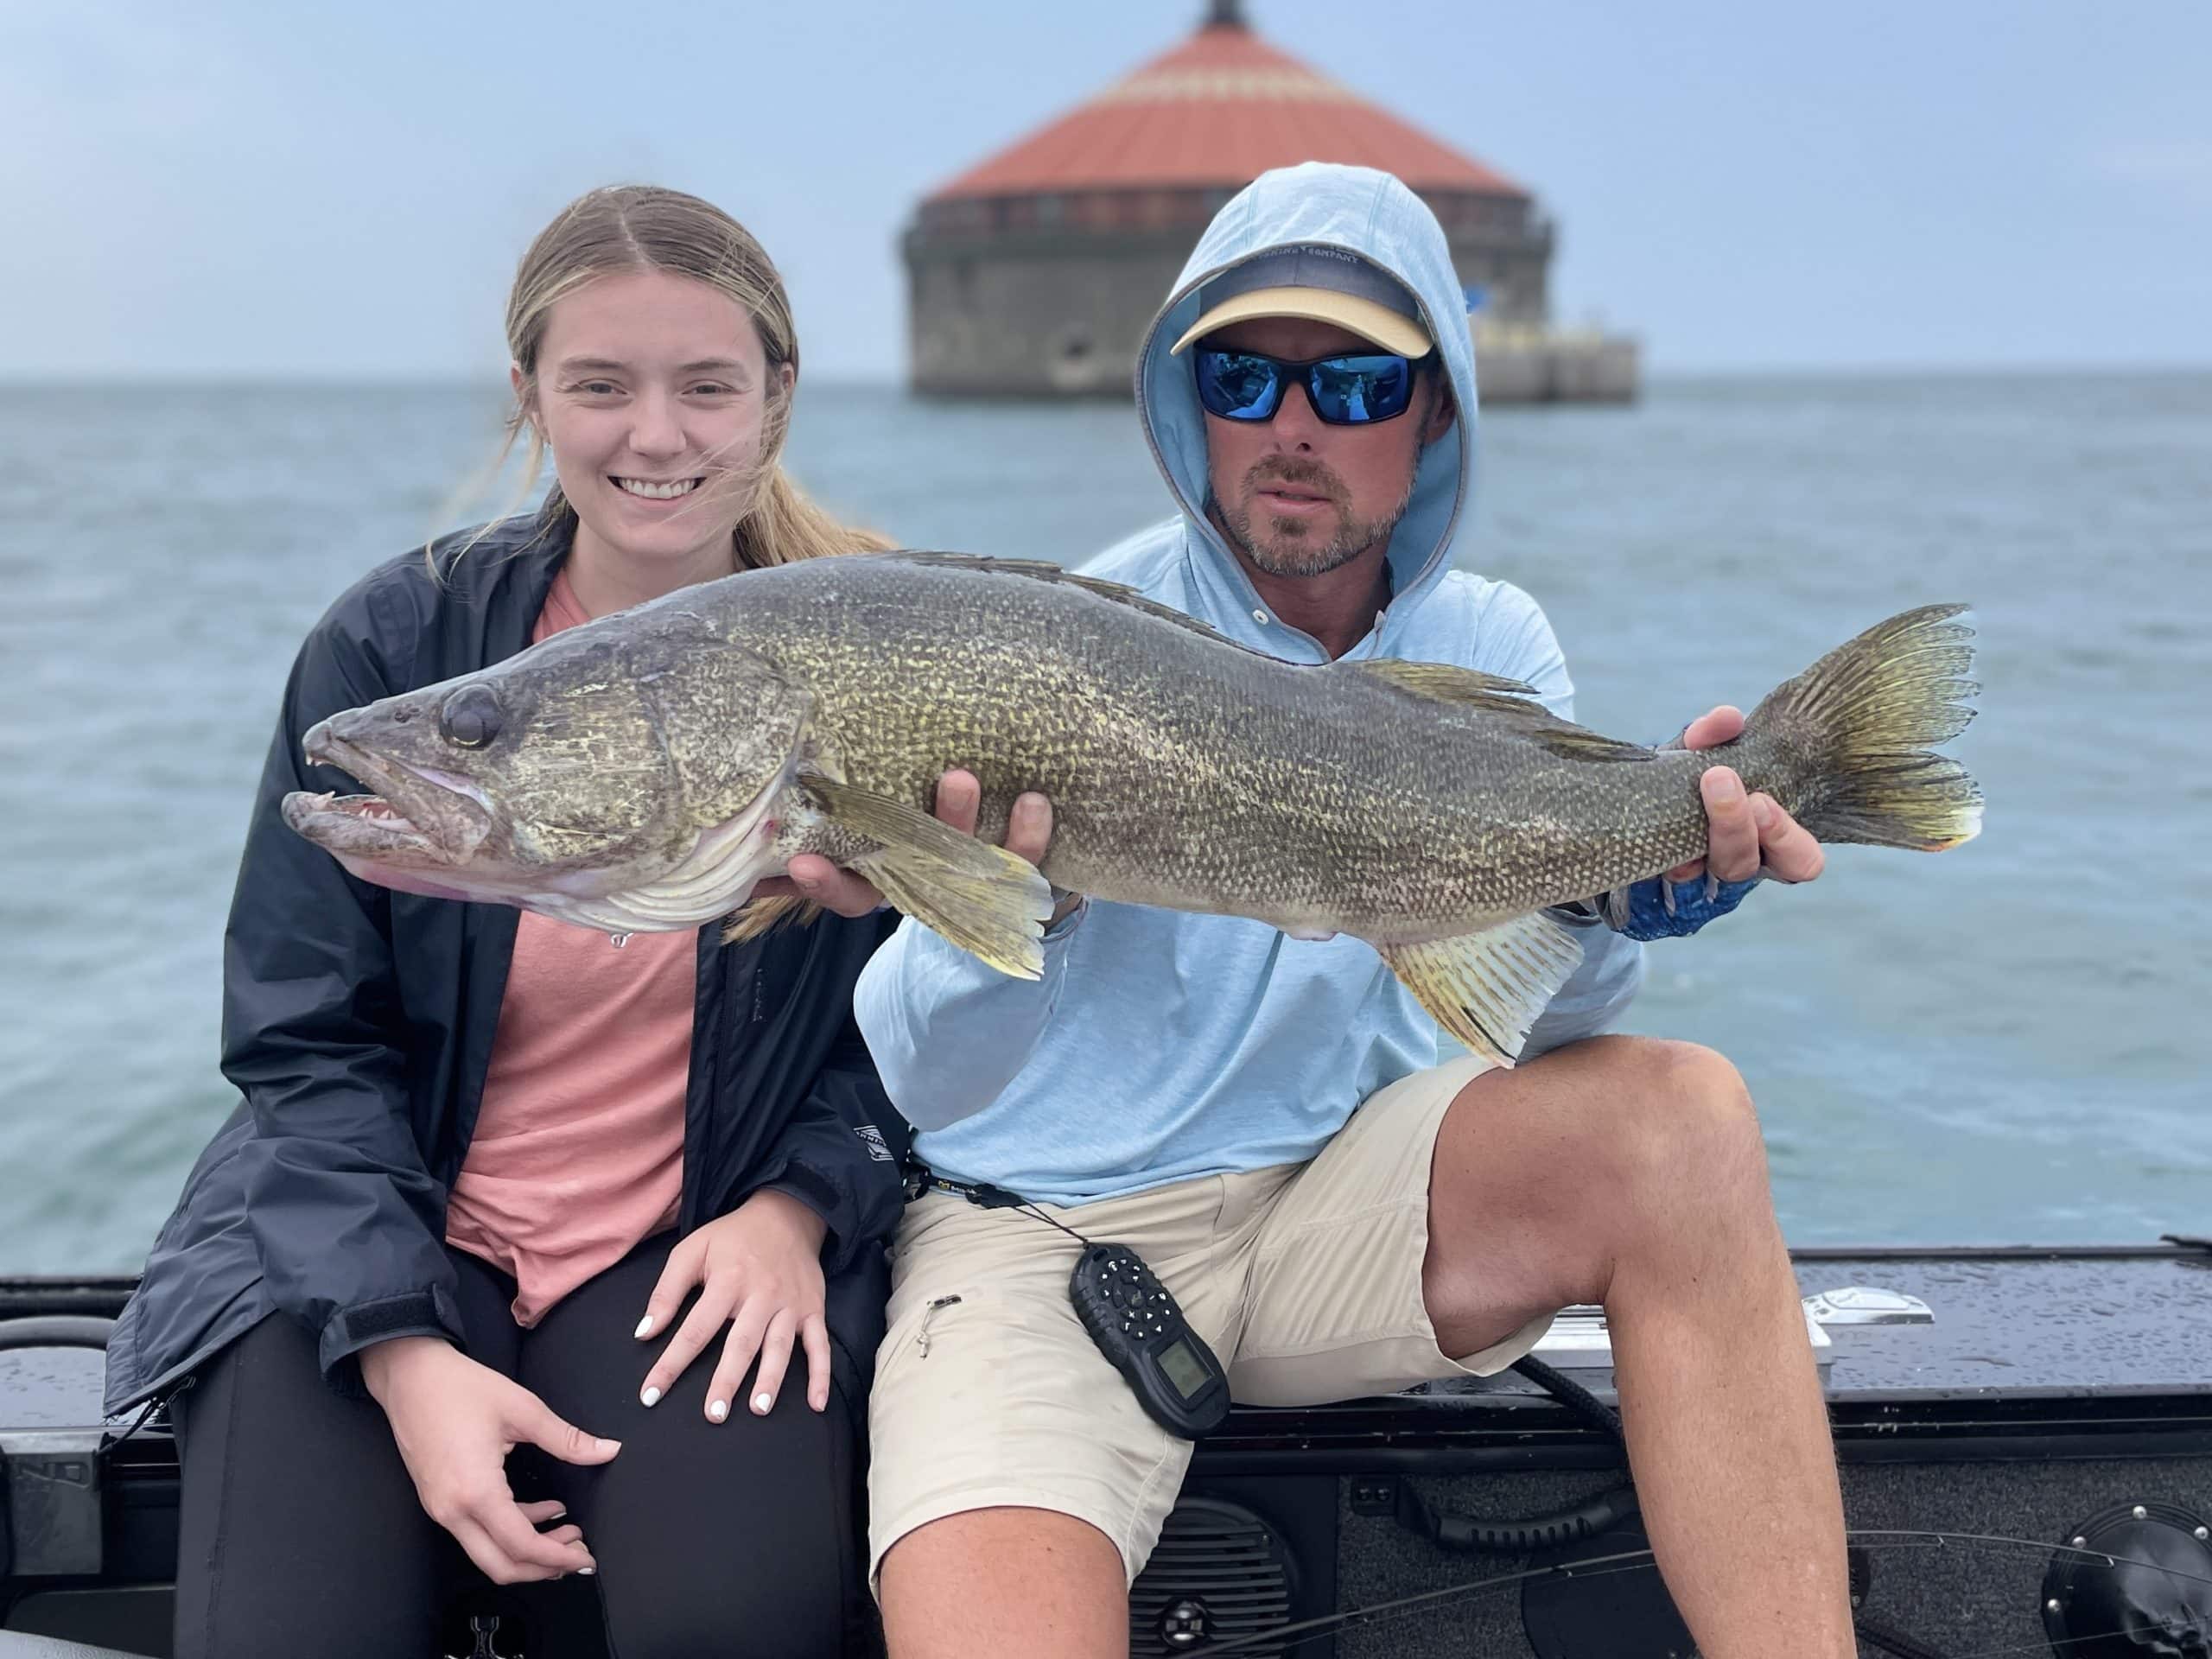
(644, 771)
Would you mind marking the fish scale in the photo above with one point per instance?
(1181, 767)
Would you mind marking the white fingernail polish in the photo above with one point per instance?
(587, 1572)
(645, 1326)
(651, 1397)
(718, 1409)
(762, 1401)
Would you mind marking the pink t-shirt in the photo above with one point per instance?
(578, 1154)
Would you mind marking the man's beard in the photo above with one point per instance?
(1289, 547)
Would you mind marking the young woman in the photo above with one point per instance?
(485, 1159)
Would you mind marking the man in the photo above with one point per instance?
(1264, 1120)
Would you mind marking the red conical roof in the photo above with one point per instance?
(1219, 109)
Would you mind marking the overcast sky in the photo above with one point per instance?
(225, 188)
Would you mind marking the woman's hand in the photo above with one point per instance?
(455, 1421)
(959, 802)
(759, 1271)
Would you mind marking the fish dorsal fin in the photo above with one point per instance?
(980, 897)
(1511, 700)
(1043, 570)
(1573, 742)
(1447, 682)
(1487, 988)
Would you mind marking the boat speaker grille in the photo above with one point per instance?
(1219, 1571)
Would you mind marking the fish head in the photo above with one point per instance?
(623, 774)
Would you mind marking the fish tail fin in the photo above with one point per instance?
(1858, 729)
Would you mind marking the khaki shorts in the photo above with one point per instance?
(1304, 1279)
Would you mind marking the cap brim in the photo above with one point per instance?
(1376, 324)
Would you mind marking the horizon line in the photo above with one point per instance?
(306, 380)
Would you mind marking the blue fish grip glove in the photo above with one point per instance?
(1660, 909)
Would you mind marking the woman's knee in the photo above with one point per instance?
(751, 1610)
(735, 1538)
(299, 1528)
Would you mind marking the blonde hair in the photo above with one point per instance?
(633, 227)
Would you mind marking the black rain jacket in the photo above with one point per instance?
(358, 1024)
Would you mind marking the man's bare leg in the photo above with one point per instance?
(1631, 1173)
(1004, 1581)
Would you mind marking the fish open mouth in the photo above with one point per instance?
(417, 818)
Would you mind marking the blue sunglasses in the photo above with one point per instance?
(1355, 388)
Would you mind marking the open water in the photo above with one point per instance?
(2010, 1042)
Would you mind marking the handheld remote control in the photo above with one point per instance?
(1139, 1328)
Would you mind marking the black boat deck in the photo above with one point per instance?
(2074, 1379)
(2044, 1341)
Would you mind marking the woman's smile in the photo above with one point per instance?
(646, 489)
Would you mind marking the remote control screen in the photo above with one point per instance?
(1183, 1369)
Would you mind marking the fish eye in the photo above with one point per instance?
(470, 717)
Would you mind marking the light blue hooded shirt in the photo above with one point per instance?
(1160, 1047)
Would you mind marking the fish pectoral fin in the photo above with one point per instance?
(1512, 701)
(980, 897)
(758, 918)
(1487, 988)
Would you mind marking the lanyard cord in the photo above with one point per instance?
(985, 1196)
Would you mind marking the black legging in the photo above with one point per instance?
(300, 1533)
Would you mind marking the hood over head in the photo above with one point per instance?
(1364, 212)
